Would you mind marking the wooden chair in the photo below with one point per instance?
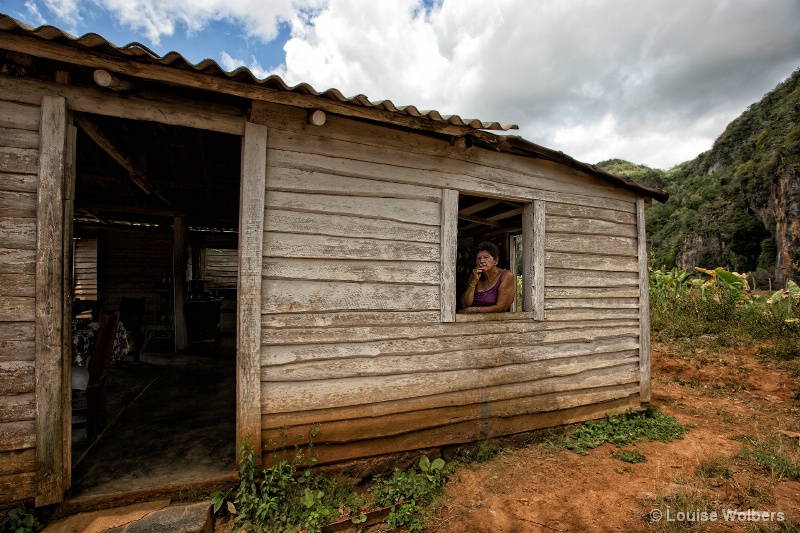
(131, 314)
(99, 366)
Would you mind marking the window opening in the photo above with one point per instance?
(494, 220)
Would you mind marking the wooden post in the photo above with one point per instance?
(533, 242)
(447, 254)
(68, 276)
(179, 282)
(49, 303)
(248, 323)
(644, 305)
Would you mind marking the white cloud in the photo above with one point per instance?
(654, 82)
(66, 11)
(34, 13)
(230, 63)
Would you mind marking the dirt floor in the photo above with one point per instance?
(722, 395)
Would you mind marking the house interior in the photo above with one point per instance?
(155, 237)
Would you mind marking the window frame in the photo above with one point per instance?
(533, 254)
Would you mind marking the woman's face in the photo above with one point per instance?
(485, 260)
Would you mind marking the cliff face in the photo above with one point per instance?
(738, 205)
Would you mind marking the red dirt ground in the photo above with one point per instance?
(719, 396)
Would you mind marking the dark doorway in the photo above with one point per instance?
(168, 416)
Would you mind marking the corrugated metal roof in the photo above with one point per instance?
(242, 74)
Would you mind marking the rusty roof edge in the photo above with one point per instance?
(517, 144)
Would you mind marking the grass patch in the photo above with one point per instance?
(775, 454)
(624, 429)
(663, 510)
(712, 467)
(628, 456)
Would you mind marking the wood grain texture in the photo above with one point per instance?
(471, 431)
(590, 244)
(448, 254)
(20, 116)
(280, 221)
(574, 261)
(527, 398)
(49, 306)
(249, 291)
(18, 233)
(348, 318)
(556, 277)
(623, 213)
(335, 248)
(585, 226)
(15, 488)
(17, 462)
(301, 296)
(19, 160)
(417, 272)
(644, 303)
(16, 377)
(18, 182)
(18, 407)
(295, 396)
(16, 138)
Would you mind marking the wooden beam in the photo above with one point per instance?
(179, 282)
(49, 321)
(137, 176)
(479, 206)
(448, 255)
(66, 309)
(195, 80)
(644, 303)
(533, 254)
(249, 289)
(479, 220)
(176, 111)
(104, 78)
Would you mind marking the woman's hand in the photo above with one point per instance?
(476, 276)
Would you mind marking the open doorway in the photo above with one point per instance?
(159, 205)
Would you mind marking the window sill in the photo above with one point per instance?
(494, 317)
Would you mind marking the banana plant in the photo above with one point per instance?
(790, 295)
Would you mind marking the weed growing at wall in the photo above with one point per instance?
(20, 520)
(287, 498)
(624, 429)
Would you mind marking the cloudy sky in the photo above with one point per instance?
(653, 82)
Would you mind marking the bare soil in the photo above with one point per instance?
(721, 395)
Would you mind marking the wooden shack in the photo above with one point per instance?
(346, 223)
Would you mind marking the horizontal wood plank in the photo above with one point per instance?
(17, 435)
(591, 406)
(590, 292)
(294, 396)
(20, 116)
(583, 226)
(15, 488)
(17, 462)
(397, 209)
(16, 138)
(554, 277)
(512, 400)
(287, 245)
(416, 272)
(590, 244)
(18, 407)
(477, 360)
(348, 318)
(575, 261)
(17, 285)
(16, 377)
(594, 303)
(19, 233)
(576, 211)
(18, 182)
(14, 261)
(287, 178)
(279, 221)
(19, 160)
(16, 331)
(286, 296)
(17, 309)
(591, 314)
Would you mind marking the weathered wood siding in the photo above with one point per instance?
(352, 337)
(84, 270)
(19, 162)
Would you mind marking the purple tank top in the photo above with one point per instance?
(489, 296)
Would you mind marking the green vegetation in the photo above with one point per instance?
(20, 520)
(624, 429)
(722, 205)
(628, 456)
(286, 498)
(775, 454)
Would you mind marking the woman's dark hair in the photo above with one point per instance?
(490, 247)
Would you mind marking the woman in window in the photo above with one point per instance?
(491, 289)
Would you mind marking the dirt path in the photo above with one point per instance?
(723, 397)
